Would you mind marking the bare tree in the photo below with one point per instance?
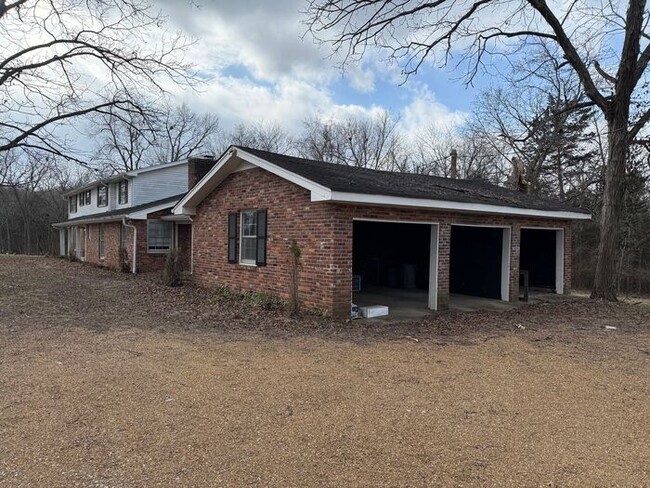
(63, 60)
(477, 30)
(125, 141)
(367, 142)
(135, 140)
(431, 154)
(30, 201)
(182, 132)
(262, 135)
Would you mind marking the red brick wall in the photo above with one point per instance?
(324, 233)
(111, 245)
(291, 215)
(145, 262)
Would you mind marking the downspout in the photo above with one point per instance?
(135, 243)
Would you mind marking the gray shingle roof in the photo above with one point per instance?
(123, 211)
(348, 179)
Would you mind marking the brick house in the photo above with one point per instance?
(131, 210)
(373, 232)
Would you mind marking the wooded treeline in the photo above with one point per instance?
(566, 117)
(562, 155)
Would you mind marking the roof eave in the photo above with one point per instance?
(482, 208)
(226, 164)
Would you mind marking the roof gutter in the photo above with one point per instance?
(482, 208)
(89, 220)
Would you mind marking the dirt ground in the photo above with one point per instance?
(108, 380)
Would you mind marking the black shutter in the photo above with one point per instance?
(232, 237)
(260, 260)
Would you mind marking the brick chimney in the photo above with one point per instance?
(197, 168)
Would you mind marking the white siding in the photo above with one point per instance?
(159, 184)
(149, 186)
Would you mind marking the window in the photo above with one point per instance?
(102, 196)
(251, 240)
(159, 235)
(72, 202)
(84, 198)
(248, 242)
(123, 192)
(100, 239)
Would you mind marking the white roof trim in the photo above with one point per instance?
(138, 215)
(227, 164)
(448, 205)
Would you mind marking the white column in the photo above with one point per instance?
(559, 261)
(433, 268)
(505, 264)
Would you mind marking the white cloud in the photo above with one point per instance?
(264, 70)
(424, 111)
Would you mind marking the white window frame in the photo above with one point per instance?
(107, 196)
(246, 262)
(72, 207)
(126, 192)
(160, 250)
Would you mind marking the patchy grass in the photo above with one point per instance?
(115, 381)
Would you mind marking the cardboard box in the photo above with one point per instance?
(374, 311)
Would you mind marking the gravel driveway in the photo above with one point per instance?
(109, 380)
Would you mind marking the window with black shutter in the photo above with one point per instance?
(232, 237)
(247, 237)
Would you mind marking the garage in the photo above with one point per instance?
(541, 259)
(393, 265)
(479, 262)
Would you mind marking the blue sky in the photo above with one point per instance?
(262, 68)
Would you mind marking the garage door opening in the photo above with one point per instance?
(395, 265)
(479, 262)
(542, 257)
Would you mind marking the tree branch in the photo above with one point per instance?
(571, 54)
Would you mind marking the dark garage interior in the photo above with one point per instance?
(475, 261)
(537, 256)
(391, 261)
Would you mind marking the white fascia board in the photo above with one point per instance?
(89, 220)
(447, 205)
(316, 189)
(229, 163)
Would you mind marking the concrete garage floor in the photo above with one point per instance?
(412, 304)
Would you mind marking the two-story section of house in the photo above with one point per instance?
(125, 220)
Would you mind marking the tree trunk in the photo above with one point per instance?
(611, 216)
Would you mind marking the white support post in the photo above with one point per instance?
(433, 267)
(505, 264)
(559, 261)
